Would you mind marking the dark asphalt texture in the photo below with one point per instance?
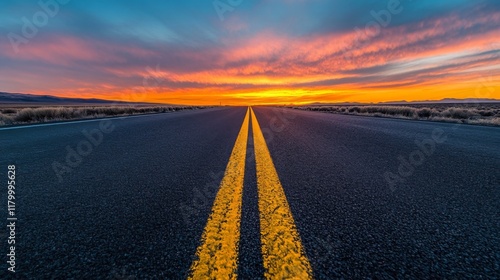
(136, 205)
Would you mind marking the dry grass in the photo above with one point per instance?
(16, 115)
(483, 114)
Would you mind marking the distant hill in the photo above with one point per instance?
(447, 101)
(32, 99)
(404, 102)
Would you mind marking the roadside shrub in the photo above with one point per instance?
(354, 109)
(4, 119)
(424, 113)
(44, 114)
(456, 113)
(467, 113)
(486, 113)
(9, 111)
(386, 110)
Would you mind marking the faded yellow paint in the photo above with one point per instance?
(282, 251)
(217, 256)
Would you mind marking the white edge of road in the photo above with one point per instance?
(85, 121)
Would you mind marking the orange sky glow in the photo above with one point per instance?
(454, 54)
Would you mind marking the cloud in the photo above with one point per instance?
(264, 50)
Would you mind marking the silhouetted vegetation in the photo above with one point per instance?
(45, 114)
(483, 114)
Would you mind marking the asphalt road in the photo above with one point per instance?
(366, 199)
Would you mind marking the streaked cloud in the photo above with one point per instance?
(262, 52)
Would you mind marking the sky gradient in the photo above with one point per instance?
(242, 52)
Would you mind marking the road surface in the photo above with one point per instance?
(309, 194)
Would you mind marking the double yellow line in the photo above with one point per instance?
(282, 250)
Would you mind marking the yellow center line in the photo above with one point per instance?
(217, 256)
(282, 251)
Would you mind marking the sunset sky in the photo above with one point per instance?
(243, 52)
